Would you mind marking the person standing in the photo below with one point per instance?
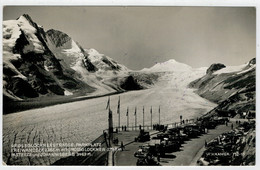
(122, 146)
(158, 156)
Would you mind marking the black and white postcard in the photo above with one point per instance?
(129, 85)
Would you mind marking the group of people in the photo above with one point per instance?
(123, 128)
(159, 127)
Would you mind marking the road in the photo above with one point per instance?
(83, 121)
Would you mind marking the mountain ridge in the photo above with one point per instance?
(52, 63)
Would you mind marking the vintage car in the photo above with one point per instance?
(168, 146)
(192, 130)
(147, 161)
(143, 136)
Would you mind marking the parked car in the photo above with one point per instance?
(192, 130)
(143, 136)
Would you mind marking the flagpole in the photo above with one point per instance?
(110, 121)
(159, 116)
(135, 118)
(143, 117)
(127, 118)
(118, 112)
(151, 117)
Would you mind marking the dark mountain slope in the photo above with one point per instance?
(234, 91)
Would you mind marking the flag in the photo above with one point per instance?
(118, 106)
(159, 109)
(151, 111)
(143, 109)
(127, 112)
(135, 110)
(108, 103)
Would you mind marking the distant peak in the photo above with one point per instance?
(27, 16)
(215, 67)
(171, 60)
(170, 65)
(252, 61)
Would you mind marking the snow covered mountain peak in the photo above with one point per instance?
(22, 27)
(169, 66)
(171, 61)
(26, 18)
(104, 63)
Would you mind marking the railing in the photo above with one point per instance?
(149, 127)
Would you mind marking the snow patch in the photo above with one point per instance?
(244, 71)
(231, 69)
(7, 63)
(35, 45)
(74, 49)
(11, 33)
(46, 68)
(67, 93)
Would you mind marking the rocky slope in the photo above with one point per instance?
(233, 87)
(94, 68)
(29, 67)
(38, 63)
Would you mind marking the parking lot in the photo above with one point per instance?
(188, 153)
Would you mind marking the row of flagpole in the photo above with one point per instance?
(127, 113)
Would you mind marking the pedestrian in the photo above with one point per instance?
(158, 157)
(122, 127)
(105, 135)
(122, 146)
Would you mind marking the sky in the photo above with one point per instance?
(140, 37)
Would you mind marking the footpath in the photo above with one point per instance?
(127, 137)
